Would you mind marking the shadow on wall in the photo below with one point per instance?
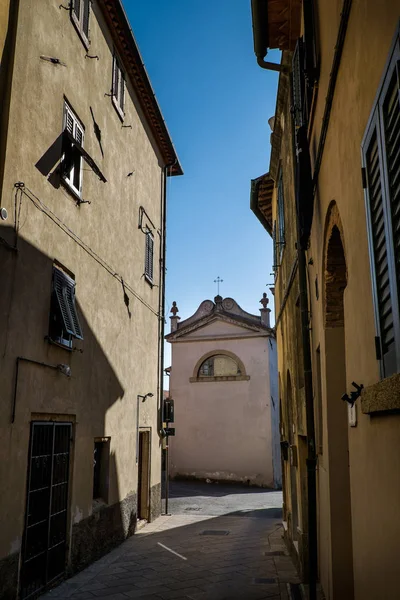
(25, 295)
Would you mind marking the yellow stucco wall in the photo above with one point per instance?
(119, 358)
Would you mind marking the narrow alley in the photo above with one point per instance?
(219, 542)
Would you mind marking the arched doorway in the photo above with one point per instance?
(337, 466)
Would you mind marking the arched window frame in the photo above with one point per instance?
(196, 378)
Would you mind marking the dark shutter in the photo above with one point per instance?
(64, 289)
(281, 215)
(77, 8)
(115, 78)
(149, 256)
(298, 83)
(391, 119)
(380, 254)
(275, 265)
(122, 90)
(85, 19)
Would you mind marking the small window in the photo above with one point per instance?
(219, 366)
(101, 460)
(64, 321)
(118, 87)
(149, 257)
(72, 160)
(80, 10)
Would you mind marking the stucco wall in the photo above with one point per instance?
(223, 428)
(118, 358)
(374, 444)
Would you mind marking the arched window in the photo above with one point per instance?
(220, 365)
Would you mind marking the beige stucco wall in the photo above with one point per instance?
(223, 428)
(119, 354)
(374, 444)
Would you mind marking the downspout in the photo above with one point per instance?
(259, 11)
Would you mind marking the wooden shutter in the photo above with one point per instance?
(76, 7)
(379, 253)
(149, 256)
(122, 90)
(116, 74)
(298, 83)
(64, 289)
(281, 215)
(85, 17)
(275, 262)
(391, 120)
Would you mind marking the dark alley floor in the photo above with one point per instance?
(218, 543)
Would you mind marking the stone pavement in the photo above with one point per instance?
(191, 557)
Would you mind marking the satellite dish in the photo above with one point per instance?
(3, 214)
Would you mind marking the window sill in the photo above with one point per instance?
(58, 344)
(119, 110)
(381, 397)
(219, 378)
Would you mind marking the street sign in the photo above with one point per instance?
(170, 431)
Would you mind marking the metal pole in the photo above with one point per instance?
(166, 475)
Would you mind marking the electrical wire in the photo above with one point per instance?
(51, 215)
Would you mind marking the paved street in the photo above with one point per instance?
(220, 542)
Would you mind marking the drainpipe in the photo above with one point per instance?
(259, 11)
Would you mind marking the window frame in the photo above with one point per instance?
(375, 127)
(78, 22)
(117, 92)
(77, 124)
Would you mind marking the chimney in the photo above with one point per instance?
(265, 312)
(174, 319)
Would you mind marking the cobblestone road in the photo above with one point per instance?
(239, 555)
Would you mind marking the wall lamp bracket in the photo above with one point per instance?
(353, 395)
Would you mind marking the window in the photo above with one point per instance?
(64, 321)
(118, 87)
(381, 170)
(274, 249)
(281, 216)
(101, 460)
(80, 10)
(149, 257)
(72, 159)
(219, 366)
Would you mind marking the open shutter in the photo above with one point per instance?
(149, 256)
(275, 265)
(116, 78)
(298, 83)
(85, 17)
(281, 215)
(64, 290)
(122, 90)
(76, 7)
(379, 254)
(391, 120)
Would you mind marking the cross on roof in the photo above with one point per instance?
(218, 281)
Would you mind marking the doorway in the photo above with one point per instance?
(45, 533)
(337, 420)
(143, 497)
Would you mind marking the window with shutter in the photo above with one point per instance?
(64, 321)
(118, 87)
(381, 161)
(80, 11)
(298, 82)
(281, 216)
(275, 257)
(72, 161)
(149, 257)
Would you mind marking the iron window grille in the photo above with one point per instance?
(149, 257)
(80, 11)
(118, 87)
(64, 321)
(381, 182)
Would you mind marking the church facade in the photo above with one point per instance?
(223, 380)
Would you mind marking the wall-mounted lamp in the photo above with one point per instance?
(144, 398)
(353, 395)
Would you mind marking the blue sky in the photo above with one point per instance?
(216, 102)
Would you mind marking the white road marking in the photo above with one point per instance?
(173, 551)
